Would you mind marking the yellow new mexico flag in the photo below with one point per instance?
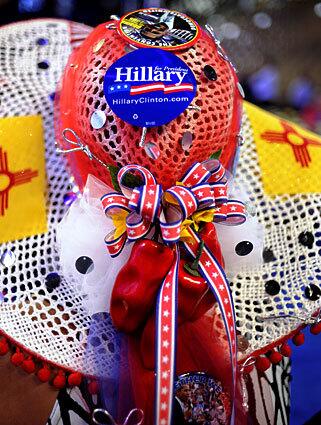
(289, 156)
(22, 178)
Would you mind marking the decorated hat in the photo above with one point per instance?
(144, 197)
(121, 116)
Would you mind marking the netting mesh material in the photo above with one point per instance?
(214, 127)
(52, 324)
(295, 266)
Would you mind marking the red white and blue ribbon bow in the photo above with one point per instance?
(203, 187)
(142, 205)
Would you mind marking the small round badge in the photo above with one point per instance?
(200, 399)
(166, 29)
(149, 87)
(7, 258)
(98, 119)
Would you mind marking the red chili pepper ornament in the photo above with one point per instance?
(194, 295)
(136, 286)
(209, 236)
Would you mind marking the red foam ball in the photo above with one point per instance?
(44, 374)
(285, 350)
(316, 329)
(298, 339)
(262, 364)
(275, 357)
(17, 358)
(74, 379)
(4, 347)
(93, 387)
(28, 365)
(59, 381)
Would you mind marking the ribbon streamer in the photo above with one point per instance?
(165, 354)
(215, 277)
(202, 191)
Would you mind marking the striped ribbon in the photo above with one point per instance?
(216, 278)
(141, 204)
(204, 187)
(165, 344)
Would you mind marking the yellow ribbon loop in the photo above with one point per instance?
(203, 216)
(119, 220)
(185, 234)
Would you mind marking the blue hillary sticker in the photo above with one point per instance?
(149, 87)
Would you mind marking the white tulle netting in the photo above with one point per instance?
(53, 323)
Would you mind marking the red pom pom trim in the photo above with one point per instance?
(248, 368)
(27, 360)
(4, 347)
(316, 329)
(298, 339)
(93, 387)
(17, 358)
(275, 357)
(28, 365)
(262, 364)
(285, 350)
(74, 379)
(60, 380)
(44, 374)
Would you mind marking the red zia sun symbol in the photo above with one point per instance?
(292, 137)
(9, 180)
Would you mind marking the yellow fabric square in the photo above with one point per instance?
(22, 178)
(289, 156)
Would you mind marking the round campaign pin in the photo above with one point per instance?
(200, 399)
(166, 29)
(149, 87)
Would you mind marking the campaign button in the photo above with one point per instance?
(157, 27)
(149, 87)
(200, 399)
